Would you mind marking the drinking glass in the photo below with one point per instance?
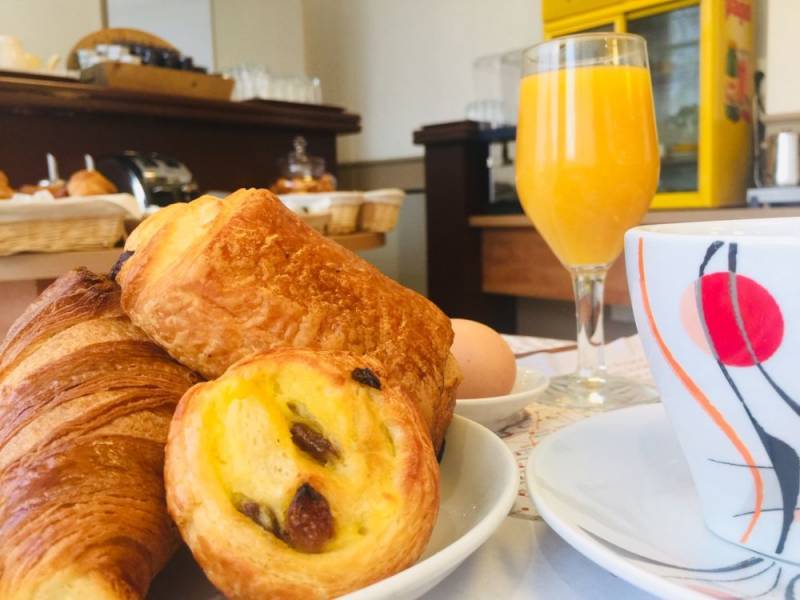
(586, 170)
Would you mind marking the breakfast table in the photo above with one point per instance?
(525, 558)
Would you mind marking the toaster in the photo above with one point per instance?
(152, 178)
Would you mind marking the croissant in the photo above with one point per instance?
(85, 406)
(6, 191)
(214, 281)
(89, 183)
(301, 474)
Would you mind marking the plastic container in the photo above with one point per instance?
(381, 209)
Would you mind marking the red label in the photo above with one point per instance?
(738, 8)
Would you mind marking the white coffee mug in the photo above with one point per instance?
(717, 305)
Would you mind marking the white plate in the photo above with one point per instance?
(478, 485)
(497, 412)
(617, 488)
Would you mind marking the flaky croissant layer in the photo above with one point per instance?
(85, 405)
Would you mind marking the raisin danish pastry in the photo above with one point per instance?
(301, 474)
(216, 280)
(85, 405)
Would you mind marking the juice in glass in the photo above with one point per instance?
(587, 157)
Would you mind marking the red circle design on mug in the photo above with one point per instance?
(741, 318)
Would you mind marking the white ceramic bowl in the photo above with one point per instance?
(497, 412)
(717, 305)
(478, 485)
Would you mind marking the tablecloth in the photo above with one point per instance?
(525, 558)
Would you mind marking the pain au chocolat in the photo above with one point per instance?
(85, 405)
(213, 281)
(301, 474)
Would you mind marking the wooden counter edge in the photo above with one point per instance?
(659, 216)
(516, 261)
(44, 265)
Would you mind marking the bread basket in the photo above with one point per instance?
(344, 208)
(381, 209)
(34, 225)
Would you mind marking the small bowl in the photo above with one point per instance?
(497, 412)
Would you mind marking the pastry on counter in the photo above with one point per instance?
(58, 189)
(304, 185)
(85, 405)
(221, 279)
(89, 183)
(6, 191)
(301, 474)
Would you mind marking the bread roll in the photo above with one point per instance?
(301, 474)
(89, 183)
(85, 405)
(214, 281)
(6, 191)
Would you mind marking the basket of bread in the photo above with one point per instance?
(239, 383)
(308, 190)
(54, 215)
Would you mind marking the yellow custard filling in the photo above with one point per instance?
(251, 426)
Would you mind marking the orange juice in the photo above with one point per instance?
(587, 157)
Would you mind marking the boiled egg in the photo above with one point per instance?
(487, 362)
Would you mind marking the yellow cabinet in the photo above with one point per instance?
(702, 63)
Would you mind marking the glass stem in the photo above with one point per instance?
(588, 283)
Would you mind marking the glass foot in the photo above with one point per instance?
(597, 393)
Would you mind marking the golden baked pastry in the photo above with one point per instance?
(85, 405)
(214, 281)
(89, 183)
(304, 185)
(301, 474)
(6, 191)
(57, 189)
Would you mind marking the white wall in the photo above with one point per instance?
(48, 27)
(225, 32)
(401, 64)
(783, 47)
(186, 24)
(267, 32)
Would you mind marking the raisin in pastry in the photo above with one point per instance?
(301, 474)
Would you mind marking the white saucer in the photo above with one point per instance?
(617, 488)
(479, 482)
(497, 412)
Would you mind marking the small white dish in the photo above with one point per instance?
(617, 488)
(478, 485)
(497, 412)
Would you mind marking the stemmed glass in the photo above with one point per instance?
(586, 170)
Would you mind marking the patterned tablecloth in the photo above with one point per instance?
(556, 357)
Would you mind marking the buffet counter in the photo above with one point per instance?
(24, 276)
(42, 266)
(516, 261)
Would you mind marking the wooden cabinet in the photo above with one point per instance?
(225, 144)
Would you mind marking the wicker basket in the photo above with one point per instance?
(318, 221)
(344, 218)
(61, 235)
(379, 217)
(381, 210)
